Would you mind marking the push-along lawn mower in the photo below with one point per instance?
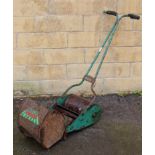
(69, 112)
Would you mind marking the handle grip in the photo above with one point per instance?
(133, 16)
(111, 13)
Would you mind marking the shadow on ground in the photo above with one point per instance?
(117, 133)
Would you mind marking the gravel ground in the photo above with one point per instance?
(117, 133)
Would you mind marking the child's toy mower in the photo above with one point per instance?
(69, 112)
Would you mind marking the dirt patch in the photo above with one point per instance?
(117, 133)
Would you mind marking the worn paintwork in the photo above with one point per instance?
(31, 115)
(85, 119)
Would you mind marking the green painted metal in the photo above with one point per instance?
(108, 39)
(106, 49)
(93, 112)
(61, 100)
(102, 46)
(31, 115)
(85, 119)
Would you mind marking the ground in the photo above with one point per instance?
(118, 132)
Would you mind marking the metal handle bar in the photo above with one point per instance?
(114, 13)
(108, 39)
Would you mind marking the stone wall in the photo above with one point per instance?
(55, 41)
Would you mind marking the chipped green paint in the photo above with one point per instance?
(31, 115)
(88, 118)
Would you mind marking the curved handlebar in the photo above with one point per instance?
(114, 13)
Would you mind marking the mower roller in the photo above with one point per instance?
(69, 112)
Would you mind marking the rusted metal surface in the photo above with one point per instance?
(34, 120)
(89, 79)
(48, 126)
(66, 112)
(76, 103)
(53, 129)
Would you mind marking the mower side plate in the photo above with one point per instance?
(85, 119)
